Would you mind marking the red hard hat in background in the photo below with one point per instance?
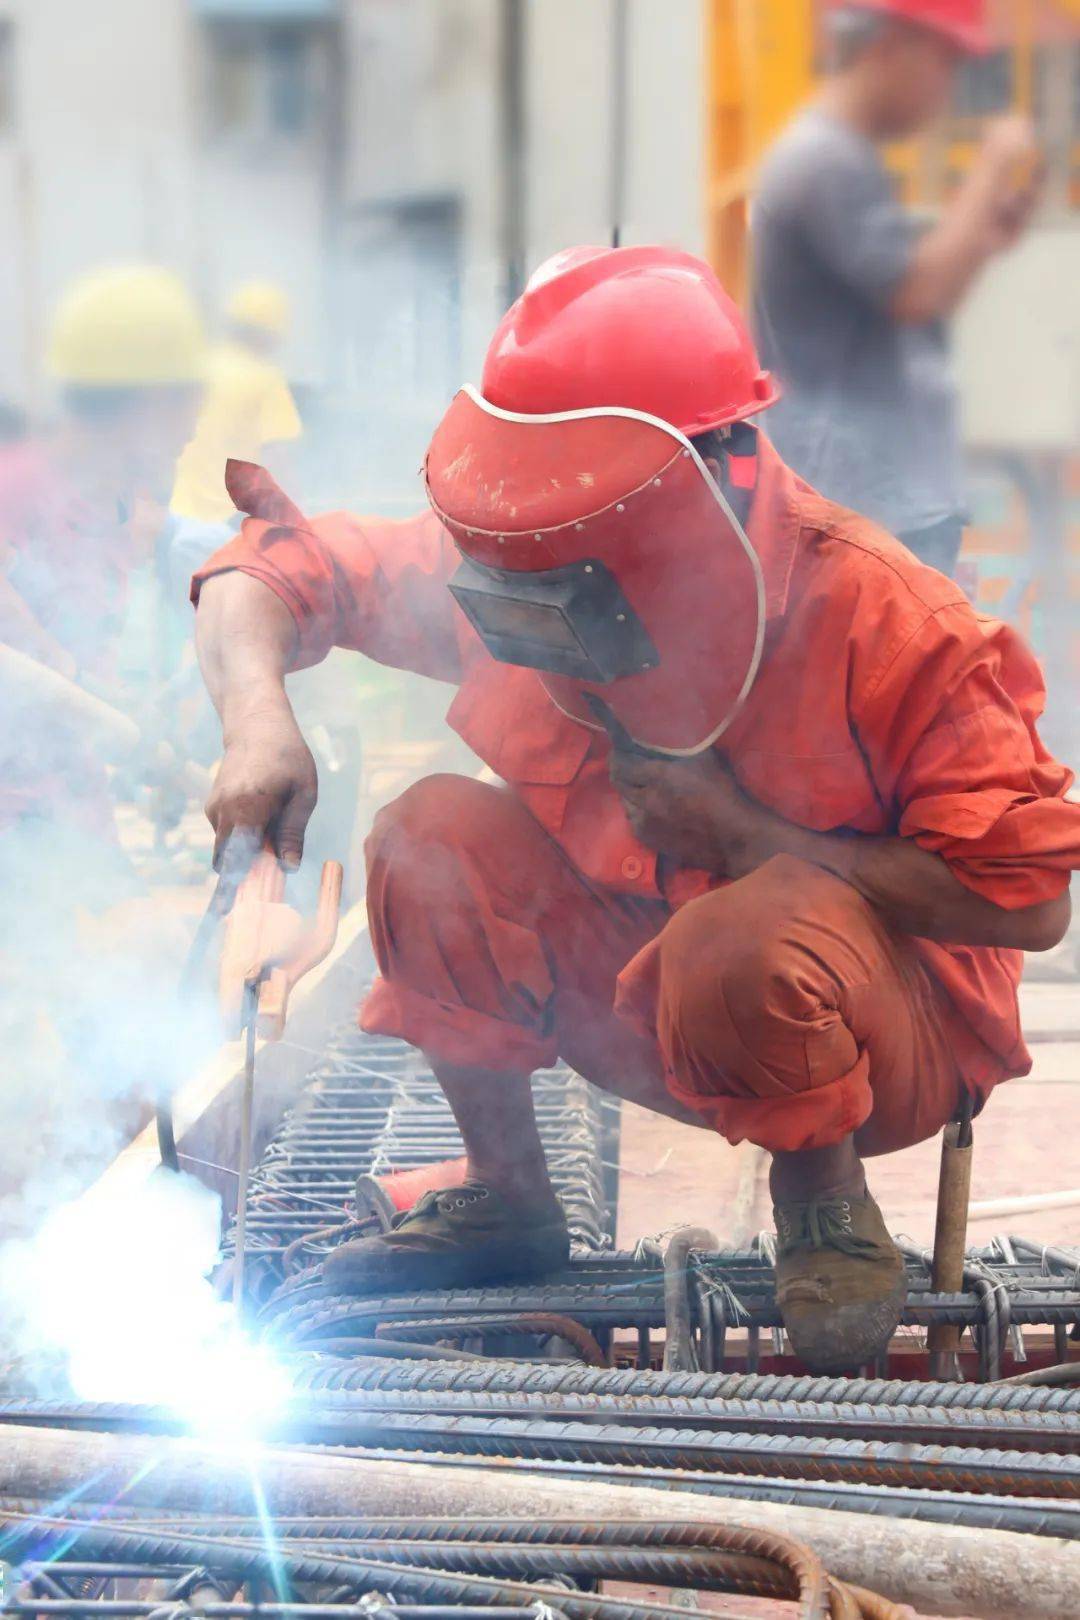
(964, 22)
(645, 328)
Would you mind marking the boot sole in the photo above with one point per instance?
(846, 1337)
(517, 1259)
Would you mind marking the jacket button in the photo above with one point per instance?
(632, 866)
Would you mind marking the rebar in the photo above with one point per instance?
(337, 1413)
(711, 1556)
(873, 1461)
(313, 1373)
(939, 1568)
(371, 1106)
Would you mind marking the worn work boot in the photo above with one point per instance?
(454, 1238)
(840, 1281)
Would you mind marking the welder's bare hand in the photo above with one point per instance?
(691, 809)
(265, 789)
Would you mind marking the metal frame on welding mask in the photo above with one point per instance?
(722, 502)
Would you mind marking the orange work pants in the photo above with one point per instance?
(779, 1008)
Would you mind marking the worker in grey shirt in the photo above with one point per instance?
(851, 296)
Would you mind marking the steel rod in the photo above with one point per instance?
(940, 1569)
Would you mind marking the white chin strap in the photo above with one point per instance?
(725, 506)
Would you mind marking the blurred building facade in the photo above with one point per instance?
(394, 163)
(398, 165)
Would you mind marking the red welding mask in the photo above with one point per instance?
(598, 549)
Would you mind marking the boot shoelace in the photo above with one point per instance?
(444, 1199)
(823, 1224)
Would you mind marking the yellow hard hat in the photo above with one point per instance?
(261, 304)
(131, 327)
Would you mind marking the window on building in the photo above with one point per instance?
(397, 330)
(267, 78)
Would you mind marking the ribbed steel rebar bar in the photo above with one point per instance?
(886, 1462)
(1041, 1516)
(730, 1558)
(245, 1560)
(868, 1462)
(976, 1428)
(314, 1372)
(942, 1570)
(967, 1426)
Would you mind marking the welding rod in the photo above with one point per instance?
(220, 904)
(247, 1109)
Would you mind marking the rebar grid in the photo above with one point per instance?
(372, 1106)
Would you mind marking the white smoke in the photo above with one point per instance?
(104, 1288)
(116, 1283)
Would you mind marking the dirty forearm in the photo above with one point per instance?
(245, 637)
(916, 890)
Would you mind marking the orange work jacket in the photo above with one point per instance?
(884, 705)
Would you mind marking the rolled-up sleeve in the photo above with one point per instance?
(376, 586)
(951, 730)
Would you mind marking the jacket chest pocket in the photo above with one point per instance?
(819, 791)
(507, 718)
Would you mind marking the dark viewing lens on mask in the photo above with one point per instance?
(572, 620)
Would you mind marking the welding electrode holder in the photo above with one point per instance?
(267, 943)
(265, 955)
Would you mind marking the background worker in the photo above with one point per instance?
(852, 294)
(248, 406)
(81, 507)
(775, 821)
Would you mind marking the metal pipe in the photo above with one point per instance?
(399, 1350)
(1066, 1372)
(1029, 1517)
(1041, 1516)
(950, 1236)
(939, 1569)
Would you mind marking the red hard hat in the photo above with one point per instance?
(961, 21)
(645, 328)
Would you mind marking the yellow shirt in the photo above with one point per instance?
(247, 405)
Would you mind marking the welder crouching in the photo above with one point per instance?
(774, 823)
